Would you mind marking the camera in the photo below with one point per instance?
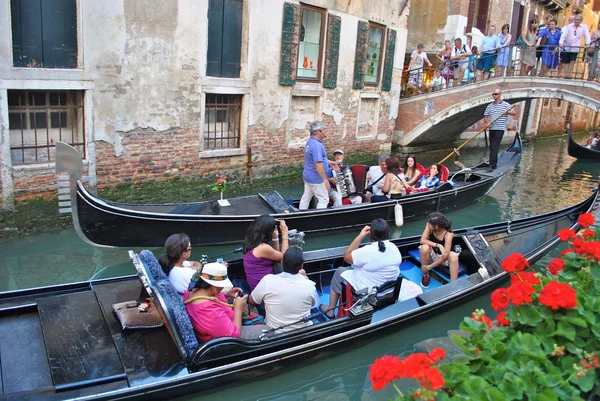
(369, 189)
(240, 294)
(219, 260)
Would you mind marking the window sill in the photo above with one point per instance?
(26, 168)
(206, 154)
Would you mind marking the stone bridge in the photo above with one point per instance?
(442, 116)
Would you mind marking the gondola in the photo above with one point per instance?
(581, 152)
(105, 223)
(64, 342)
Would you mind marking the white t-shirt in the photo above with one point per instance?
(373, 175)
(418, 59)
(439, 82)
(180, 277)
(373, 268)
(287, 297)
(463, 50)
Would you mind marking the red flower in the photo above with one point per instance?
(556, 265)
(220, 181)
(568, 250)
(586, 220)
(416, 362)
(499, 299)
(566, 234)
(514, 263)
(483, 318)
(437, 354)
(591, 248)
(430, 378)
(556, 295)
(502, 320)
(476, 351)
(520, 292)
(528, 277)
(587, 233)
(384, 370)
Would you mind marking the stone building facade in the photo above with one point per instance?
(151, 89)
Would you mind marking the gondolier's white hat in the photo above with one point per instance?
(338, 151)
(214, 274)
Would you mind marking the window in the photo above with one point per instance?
(311, 39)
(224, 38)
(222, 121)
(44, 33)
(38, 119)
(374, 54)
(546, 102)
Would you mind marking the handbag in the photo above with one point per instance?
(520, 41)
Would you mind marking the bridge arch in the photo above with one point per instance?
(461, 107)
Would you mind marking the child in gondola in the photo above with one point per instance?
(436, 245)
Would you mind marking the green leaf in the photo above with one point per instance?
(493, 394)
(526, 314)
(474, 386)
(576, 321)
(586, 382)
(564, 329)
(595, 274)
(460, 341)
(511, 390)
(546, 395)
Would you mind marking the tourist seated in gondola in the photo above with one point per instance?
(430, 180)
(175, 264)
(394, 185)
(335, 196)
(375, 175)
(210, 313)
(372, 265)
(436, 245)
(594, 142)
(410, 170)
(262, 249)
(288, 296)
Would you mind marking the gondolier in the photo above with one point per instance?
(493, 113)
(314, 174)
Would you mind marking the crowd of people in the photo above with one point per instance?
(543, 49)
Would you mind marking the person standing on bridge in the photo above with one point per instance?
(571, 38)
(497, 128)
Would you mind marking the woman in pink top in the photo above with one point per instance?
(210, 314)
(259, 256)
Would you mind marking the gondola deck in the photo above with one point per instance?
(46, 332)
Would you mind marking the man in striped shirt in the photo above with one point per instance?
(494, 110)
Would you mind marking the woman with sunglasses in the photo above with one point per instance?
(175, 264)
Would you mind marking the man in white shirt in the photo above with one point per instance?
(571, 40)
(460, 54)
(375, 175)
(288, 296)
(438, 83)
(415, 68)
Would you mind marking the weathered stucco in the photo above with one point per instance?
(143, 65)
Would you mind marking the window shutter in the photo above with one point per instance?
(59, 31)
(27, 23)
(215, 38)
(232, 38)
(332, 51)
(290, 41)
(360, 57)
(388, 68)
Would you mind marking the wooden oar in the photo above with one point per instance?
(475, 136)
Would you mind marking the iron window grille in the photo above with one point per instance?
(38, 119)
(222, 121)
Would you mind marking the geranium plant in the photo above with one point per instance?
(221, 184)
(544, 342)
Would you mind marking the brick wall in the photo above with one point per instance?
(459, 7)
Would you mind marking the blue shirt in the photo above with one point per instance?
(490, 42)
(314, 152)
(423, 183)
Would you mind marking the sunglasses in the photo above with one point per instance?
(494, 94)
(189, 249)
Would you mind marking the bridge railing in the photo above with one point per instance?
(511, 61)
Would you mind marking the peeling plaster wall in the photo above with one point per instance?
(143, 66)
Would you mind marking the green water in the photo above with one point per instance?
(545, 179)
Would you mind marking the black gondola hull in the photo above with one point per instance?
(581, 152)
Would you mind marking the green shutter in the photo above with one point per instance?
(360, 60)
(332, 51)
(388, 68)
(290, 42)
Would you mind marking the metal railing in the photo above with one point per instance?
(586, 66)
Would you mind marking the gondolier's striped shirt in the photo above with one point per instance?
(493, 111)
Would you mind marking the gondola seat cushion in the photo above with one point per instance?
(175, 313)
(180, 319)
(150, 260)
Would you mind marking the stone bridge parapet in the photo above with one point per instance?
(443, 116)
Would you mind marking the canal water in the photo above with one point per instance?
(546, 179)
